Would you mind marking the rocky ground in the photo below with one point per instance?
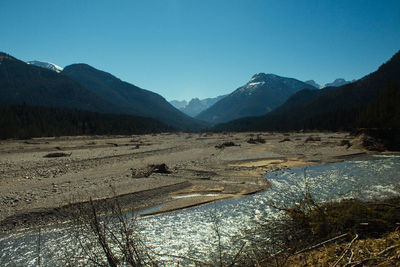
(38, 176)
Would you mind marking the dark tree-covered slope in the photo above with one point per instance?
(261, 94)
(24, 121)
(24, 83)
(132, 99)
(381, 118)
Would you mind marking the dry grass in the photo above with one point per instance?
(384, 251)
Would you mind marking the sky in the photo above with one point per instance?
(182, 49)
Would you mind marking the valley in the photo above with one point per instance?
(200, 168)
(200, 133)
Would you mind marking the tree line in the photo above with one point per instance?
(26, 121)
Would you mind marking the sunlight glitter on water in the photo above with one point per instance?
(192, 231)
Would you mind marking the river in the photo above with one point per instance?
(191, 232)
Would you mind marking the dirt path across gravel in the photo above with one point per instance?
(97, 166)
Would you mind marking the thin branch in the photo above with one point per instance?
(237, 255)
(321, 244)
(345, 252)
(387, 250)
(351, 257)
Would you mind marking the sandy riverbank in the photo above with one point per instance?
(33, 187)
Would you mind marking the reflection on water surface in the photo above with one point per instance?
(191, 231)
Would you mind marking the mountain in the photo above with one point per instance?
(336, 83)
(261, 94)
(195, 106)
(178, 104)
(132, 99)
(24, 83)
(313, 83)
(331, 108)
(46, 65)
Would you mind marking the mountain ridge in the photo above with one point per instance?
(134, 100)
(46, 65)
(331, 108)
(260, 95)
(102, 92)
(195, 106)
(23, 83)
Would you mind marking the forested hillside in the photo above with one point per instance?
(332, 108)
(24, 121)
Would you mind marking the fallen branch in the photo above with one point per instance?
(321, 244)
(351, 257)
(345, 252)
(386, 250)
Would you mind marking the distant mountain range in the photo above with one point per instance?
(261, 94)
(83, 87)
(46, 65)
(178, 104)
(266, 102)
(336, 83)
(331, 108)
(195, 106)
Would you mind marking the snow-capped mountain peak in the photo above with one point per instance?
(263, 77)
(46, 65)
(260, 95)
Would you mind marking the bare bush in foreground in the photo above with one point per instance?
(106, 237)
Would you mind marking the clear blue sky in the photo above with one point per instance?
(188, 48)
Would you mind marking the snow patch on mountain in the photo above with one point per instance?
(252, 84)
(46, 65)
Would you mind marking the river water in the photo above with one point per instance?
(191, 232)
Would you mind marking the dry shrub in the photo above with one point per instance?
(105, 236)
